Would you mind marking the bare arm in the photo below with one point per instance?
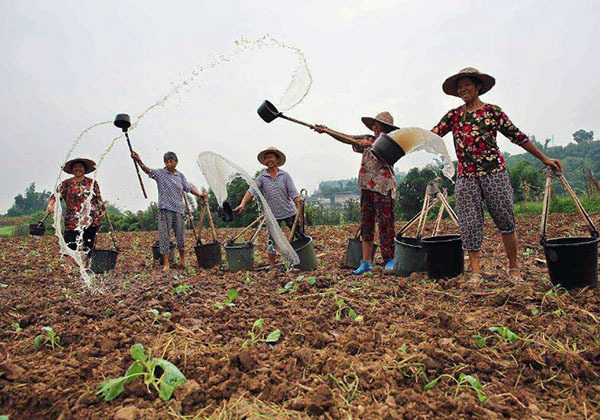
(247, 197)
(533, 149)
(137, 158)
(341, 137)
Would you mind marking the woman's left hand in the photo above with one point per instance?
(553, 163)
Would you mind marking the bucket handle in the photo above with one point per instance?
(187, 207)
(550, 175)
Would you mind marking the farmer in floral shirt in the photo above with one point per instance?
(82, 213)
(482, 173)
(377, 183)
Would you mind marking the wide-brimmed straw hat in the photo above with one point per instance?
(384, 118)
(90, 165)
(276, 151)
(487, 81)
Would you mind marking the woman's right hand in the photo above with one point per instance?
(320, 128)
(135, 156)
(239, 208)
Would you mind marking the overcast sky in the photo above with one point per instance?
(67, 65)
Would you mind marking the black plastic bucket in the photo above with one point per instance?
(37, 229)
(387, 150)
(305, 249)
(158, 256)
(354, 253)
(409, 256)
(267, 111)
(103, 260)
(572, 262)
(444, 256)
(240, 256)
(208, 255)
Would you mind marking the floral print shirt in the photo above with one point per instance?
(75, 195)
(374, 175)
(475, 138)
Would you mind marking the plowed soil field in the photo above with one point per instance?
(541, 361)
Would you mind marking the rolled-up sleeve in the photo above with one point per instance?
(291, 188)
(187, 187)
(509, 130)
(361, 149)
(444, 126)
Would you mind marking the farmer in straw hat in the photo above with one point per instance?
(377, 182)
(171, 186)
(84, 206)
(482, 174)
(280, 192)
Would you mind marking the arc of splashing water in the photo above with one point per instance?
(241, 45)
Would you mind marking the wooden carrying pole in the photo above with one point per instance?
(137, 169)
(210, 221)
(258, 219)
(111, 230)
(262, 222)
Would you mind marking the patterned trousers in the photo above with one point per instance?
(375, 206)
(168, 220)
(470, 193)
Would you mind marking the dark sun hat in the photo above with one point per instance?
(384, 118)
(89, 165)
(487, 81)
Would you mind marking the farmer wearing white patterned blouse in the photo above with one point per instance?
(171, 186)
(279, 191)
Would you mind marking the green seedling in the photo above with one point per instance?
(145, 366)
(502, 333)
(463, 381)
(345, 309)
(181, 289)
(16, 327)
(248, 280)
(158, 316)
(257, 335)
(232, 295)
(293, 285)
(3, 417)
(47, 337)
(3, 285)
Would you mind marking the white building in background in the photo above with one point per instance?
(340, 198)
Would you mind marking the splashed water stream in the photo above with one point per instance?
(296, 91)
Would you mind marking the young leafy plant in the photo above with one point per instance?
(232, 295)
(164, 380)
(463, 381)
(502, 333)
(343, 308)
(293, 285)
(158, 316)
(257, 335)
(47, 337)
(181, 289)
(16, 327)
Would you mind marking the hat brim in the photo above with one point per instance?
(368, 121)
(90, 165)
(449, 86)
(280, 156)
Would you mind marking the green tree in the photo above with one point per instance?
(524, 175)
(29, 203)
(411, 190)
(582, 136)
